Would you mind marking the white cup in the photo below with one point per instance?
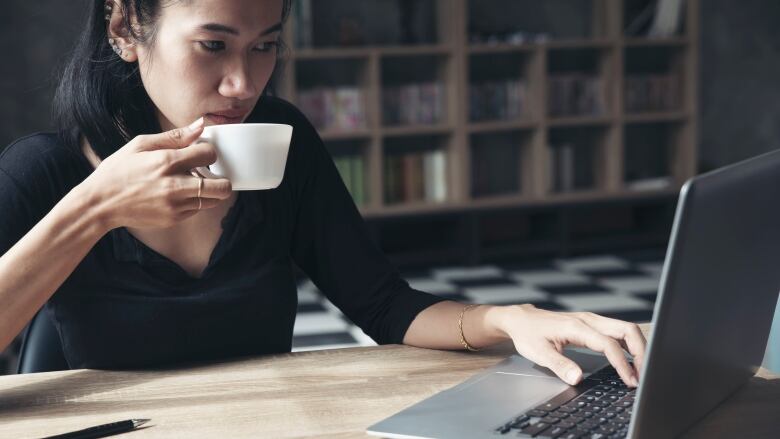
(251, 155)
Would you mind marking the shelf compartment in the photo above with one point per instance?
(577, 82)
(416, 170)
(497, 163)
(520, 21)
(649, 152)
(499, 87)
(333, 93)
(415, 89)
(351, 160)
(346, 23)
(653, 79)
(576, 159)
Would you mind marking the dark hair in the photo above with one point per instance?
(100, 95)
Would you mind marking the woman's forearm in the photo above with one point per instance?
(33, 269)
(436, 327)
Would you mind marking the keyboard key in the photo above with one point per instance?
(550, 420)
(553, 432)
(573, 434)
(535, 429)
(536, 413)
(559, 415)
(566, 424)
(569, 408)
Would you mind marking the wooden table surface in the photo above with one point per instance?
(332, 393)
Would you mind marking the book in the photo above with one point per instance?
(435, 176)
(358, 183)
(666, 22)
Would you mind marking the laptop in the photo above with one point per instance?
(716, 299)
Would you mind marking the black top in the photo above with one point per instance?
(127, 306)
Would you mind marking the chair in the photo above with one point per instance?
(41, 346)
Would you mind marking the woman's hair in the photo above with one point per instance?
(100, 95)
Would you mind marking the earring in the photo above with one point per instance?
(108, 8)
(114, 46)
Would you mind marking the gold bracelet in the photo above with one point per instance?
(460, 326)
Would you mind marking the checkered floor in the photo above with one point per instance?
(621, 286)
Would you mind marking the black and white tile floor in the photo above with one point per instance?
(622, 286)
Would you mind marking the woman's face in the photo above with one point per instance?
(211, 58)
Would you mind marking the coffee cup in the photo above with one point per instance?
(251, 155)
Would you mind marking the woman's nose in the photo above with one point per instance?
(238, 84)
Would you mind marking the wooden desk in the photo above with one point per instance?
(336, 393)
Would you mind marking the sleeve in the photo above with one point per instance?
(27, 191)
(331, 243)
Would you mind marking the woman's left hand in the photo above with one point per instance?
(541, 335)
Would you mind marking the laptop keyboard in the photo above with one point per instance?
(597, 408)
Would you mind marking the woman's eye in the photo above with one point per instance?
(213, 46)
(267, 46)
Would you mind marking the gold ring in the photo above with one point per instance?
(200, 186)
(200, 203)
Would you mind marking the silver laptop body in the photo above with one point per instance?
(711, 322)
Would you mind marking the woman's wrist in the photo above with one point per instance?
(93, 202)
(483, 325)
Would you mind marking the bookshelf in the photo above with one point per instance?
(527, 103)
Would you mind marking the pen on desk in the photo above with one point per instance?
(102, 430)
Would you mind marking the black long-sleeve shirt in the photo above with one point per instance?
(127, 306)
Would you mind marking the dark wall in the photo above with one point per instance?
(739, 72)
(740, 80)
(34, 37)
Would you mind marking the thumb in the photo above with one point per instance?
(566, 369)
(173, 139)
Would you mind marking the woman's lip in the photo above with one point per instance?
(217, 118)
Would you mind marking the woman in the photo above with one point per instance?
(140, 263)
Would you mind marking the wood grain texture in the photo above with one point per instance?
(331, 393)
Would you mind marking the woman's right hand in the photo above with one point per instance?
(147, 183)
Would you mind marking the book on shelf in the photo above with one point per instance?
(497, 100)
(350, 168)
(651, 92)
(650, 184)
(416, 177)
(576, 95)
(339, 108)
(303, 24)
(667, 19)
(413, 104)
(571, 167)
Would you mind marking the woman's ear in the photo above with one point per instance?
(118, 36)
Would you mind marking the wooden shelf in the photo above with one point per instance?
(500, 125)
(579, 44)
(578, 121)
(482, 48)
(367, 51)
(655, 42)
(415, 130)
(513, 200)
(344, 135)
(455, 63)
(656, 116)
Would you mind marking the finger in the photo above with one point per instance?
(193, 205)
(546, 355)
(218, 188)
(175, 138)
(192, 156)
(628, 334)
(586, 336)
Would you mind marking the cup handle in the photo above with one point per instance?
(204, 171)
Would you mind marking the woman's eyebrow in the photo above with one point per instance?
(216, 27)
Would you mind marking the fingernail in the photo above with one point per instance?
(572, 376)
(197, 124)
(635, 381)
